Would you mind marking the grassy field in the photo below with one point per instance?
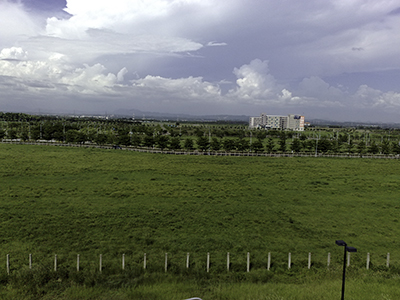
(89, 202)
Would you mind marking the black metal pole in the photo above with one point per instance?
(344, 271)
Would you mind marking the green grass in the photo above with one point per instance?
(70, 201)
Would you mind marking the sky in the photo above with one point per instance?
(324, 59)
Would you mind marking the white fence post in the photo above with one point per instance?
(30, 261)
(77, 262)
(187, 260)
(101, 263)
(166, 262)
(123, 261)
(387, 260)
(208, 262)
(348, 259)
(8, 264)
(368, 261)
(227, 262)
(144, 261)
(309, 260)
(289, 260)
(329, 259)
(269, 261)
(55, 262)
(248, 262)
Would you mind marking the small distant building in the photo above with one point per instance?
(289, 122)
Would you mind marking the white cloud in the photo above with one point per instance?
(126, 25)
(214, 44)
(254, 82)
(15, 22)
(182, 88)
(100, 42)
(367, 97)
(87, 79)
(121, 74)
(317, 88)
(13, 53)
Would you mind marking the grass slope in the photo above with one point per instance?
(67, 201)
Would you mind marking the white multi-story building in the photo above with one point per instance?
(289, 122)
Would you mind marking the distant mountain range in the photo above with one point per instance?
(238, 118)
(138, 114)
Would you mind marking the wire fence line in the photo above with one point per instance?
(211, 153)
(207, 266)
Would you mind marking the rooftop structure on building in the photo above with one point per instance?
(289, 122)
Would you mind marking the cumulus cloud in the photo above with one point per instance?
(254, 81)
(182, 88)
(97, 28)
(15, 53)
(51, 74)
(367, 97)
(126, 26)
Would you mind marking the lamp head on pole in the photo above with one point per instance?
(351, 249)
(341, 243)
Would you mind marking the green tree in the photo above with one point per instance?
(35, 132)
(373, 148)
(261, 135)
(162, 142)
(80, 137)
(136, 140)
(148, 141)
(242, 145)
(215, 144)
(282, 142)
(12, 133)
(100, 139)
(270, 145)
(324, 145)
(334, 146)
(199, 133)
(257, 146)
(202, 143)
(395, 147)
(71, 136)
(228, 144)
(385, 147)
(218, 132)
(124, 139)
(296, 145)
(349, 146)
(175, 143)
(24, 135)
(111, 137)
(309, 145)
(361, 147)
(343, 138)
(48, 130)
(188, 145)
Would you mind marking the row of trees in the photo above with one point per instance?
(202, 137)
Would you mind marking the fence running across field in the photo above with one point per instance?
(228, 261)
(212, 153)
